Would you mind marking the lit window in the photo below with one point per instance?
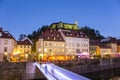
(63, 45)
(48, 38)
(45, 50)
(63, 50)
(57, 35)
(54, 38)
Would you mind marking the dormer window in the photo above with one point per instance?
(54, 38)
(57, 35)
(67, 34)
(77, 35)
(52, 34)
(70, 34)
(48, 37)
(81, 35)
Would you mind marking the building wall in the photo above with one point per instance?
(94, 50)
(24, 49)
(113, 47)
(6, 46)
(105, 51)
(50, 48)
(118, 48)
(76, 45)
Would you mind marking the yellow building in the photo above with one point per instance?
(94, 48)
(22, 50)
(51, 45)
(118, 46)
(105, 51)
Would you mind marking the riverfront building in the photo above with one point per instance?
(64, 41)
(7, 45)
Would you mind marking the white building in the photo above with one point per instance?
(7, 44)
(77, 43)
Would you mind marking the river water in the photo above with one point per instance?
(113, 74)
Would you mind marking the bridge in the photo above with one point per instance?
(54, 72)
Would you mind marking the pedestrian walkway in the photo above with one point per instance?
(54, 72)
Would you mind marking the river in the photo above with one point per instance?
(113, 74)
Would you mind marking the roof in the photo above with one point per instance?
(104, 46)
(26, 42)
(74, 33)
(109, 40)
(26, 38)
(95, 42)
(5, 34)
(52, 35)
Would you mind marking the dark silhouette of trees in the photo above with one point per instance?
(21, 36)
(91, 33)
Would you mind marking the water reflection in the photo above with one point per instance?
(113, 74)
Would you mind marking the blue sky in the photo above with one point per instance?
(25, 16)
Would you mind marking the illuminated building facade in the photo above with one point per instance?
(51, 45)
(77, 43)
(7, 44)
(23, 49)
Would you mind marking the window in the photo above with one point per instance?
(5, 49)
(77, 50)
(78, 45)
(6, 42)
(45, 50)
(63, 50)
(54, 38)
(50, 50)
(0, 41)
(63, 45)
(50, 44)
(45, 44)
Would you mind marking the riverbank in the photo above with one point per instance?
(89, 65)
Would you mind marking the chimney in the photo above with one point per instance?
(0, 29)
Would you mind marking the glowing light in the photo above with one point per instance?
(5, 53)
(45, 50)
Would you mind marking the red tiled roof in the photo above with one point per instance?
(104, 46)
(52, 35)
(74, 33)
(6, 34)
(26, 42)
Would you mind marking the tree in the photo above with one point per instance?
(92, 33)
(21, 36)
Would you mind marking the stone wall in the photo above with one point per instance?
(89, 65)
(11, 71)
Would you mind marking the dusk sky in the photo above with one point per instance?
(25, 16)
